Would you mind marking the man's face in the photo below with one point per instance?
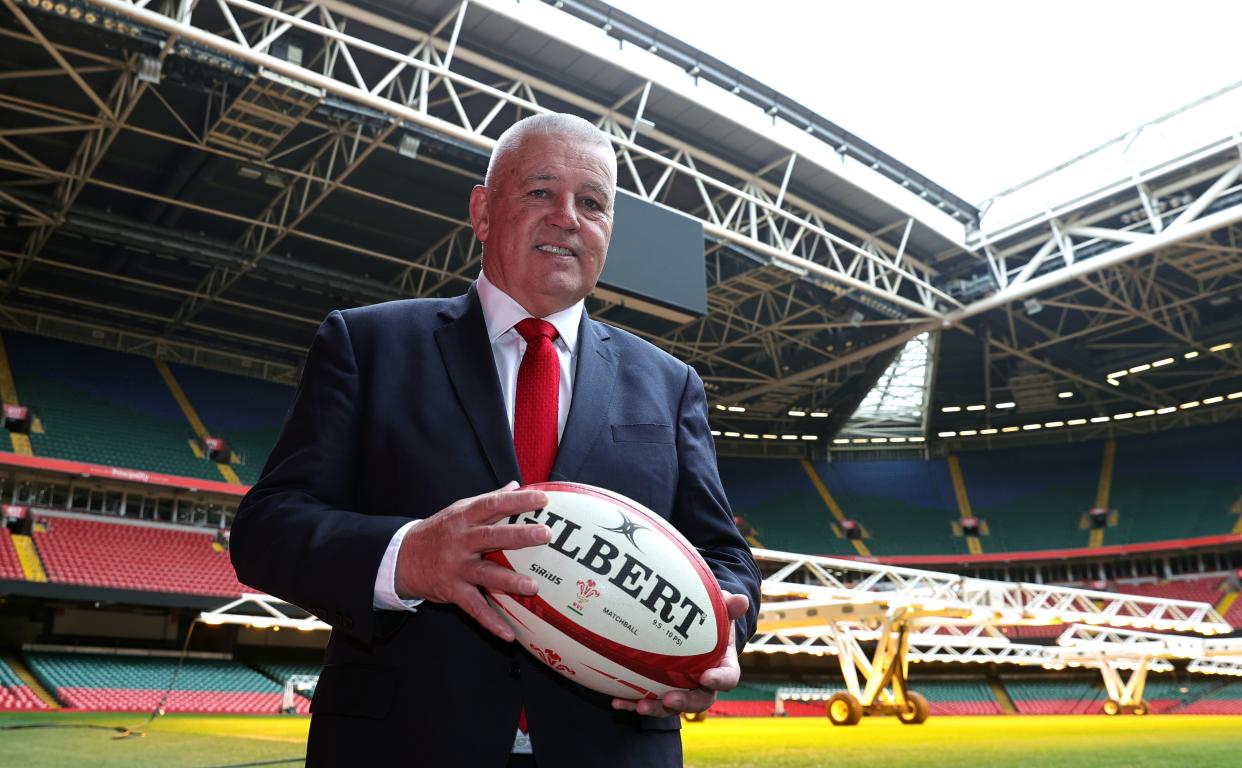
(545, 221)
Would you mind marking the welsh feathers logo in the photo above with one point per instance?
(586, 591)
(552, 659)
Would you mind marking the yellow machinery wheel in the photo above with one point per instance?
(694, 717)
(919, 709)
(1142, 708)
(1111, 707)
(844, 709)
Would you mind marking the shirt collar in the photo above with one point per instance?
(501, 312)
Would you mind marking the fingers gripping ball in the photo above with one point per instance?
(626, 606)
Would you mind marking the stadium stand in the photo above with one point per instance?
(102, 407)
(14, 694)
(128, 555)
(1234, 615)
(248, 413)
(10, 566)
(906, 505)
(1225, 698)
(278, 672)
(1033, 498)
(1204, 590)
(964, 696)
(777, 498)
(1055, 696)
(1176, 484)
(136, 683)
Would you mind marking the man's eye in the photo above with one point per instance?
(538, 193)
(591, 203)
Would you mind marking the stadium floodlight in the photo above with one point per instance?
(409, 146)
(1033, 306)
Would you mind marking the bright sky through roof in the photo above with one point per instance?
(977, 96)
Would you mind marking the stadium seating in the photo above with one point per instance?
(1055, 695)
(279, 672)
(103, 553)
(14, 694)
(137, 683)
(248, 413)
(777, 497)
(102, 407)
(10, 566)
(1173, 484)
(906, 505)
(1033, 498)
(1234, 615)
(1225, 698)
(962, 696)
(1176, 484)
(1204, 590)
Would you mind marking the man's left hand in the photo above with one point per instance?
(723, 677)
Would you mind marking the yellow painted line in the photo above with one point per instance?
(963, 502)
(1106, 475)
(859, 546)
(30, 681)
(8, 390)
(1103, 490)
(1002, 697)
(179, 395)
(8, 394)
(1237, 527)
(21, 444)
(1226, 603)
(191, 416)
(28, 556)
(196, 448)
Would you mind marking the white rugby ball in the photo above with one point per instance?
(626, 606)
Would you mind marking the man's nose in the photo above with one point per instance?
(564, 214)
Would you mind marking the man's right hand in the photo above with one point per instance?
(441, 558)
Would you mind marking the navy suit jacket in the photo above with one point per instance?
(399, 414)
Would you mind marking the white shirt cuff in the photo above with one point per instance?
(386, 598)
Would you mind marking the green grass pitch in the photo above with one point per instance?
(198, 741)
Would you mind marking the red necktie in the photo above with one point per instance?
(535, 409)
(535, 406)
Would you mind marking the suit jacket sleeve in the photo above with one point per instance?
(296, 535)
(702, 511)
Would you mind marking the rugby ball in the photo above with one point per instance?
(626, 606)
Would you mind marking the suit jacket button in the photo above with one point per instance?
(515, 670)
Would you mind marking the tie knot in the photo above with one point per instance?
(532, 328)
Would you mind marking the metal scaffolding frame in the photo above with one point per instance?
(800, 297)
(819, 606)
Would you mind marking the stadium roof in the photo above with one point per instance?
(206, 188)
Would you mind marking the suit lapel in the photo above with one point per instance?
(467, 356)
(594, 379)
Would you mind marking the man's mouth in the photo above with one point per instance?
(555, 249)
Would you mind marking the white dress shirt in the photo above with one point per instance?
(500, 313)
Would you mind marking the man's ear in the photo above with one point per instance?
(478, 212)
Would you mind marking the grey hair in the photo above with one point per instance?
(556, 124)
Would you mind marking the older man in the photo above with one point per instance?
(415, 422)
